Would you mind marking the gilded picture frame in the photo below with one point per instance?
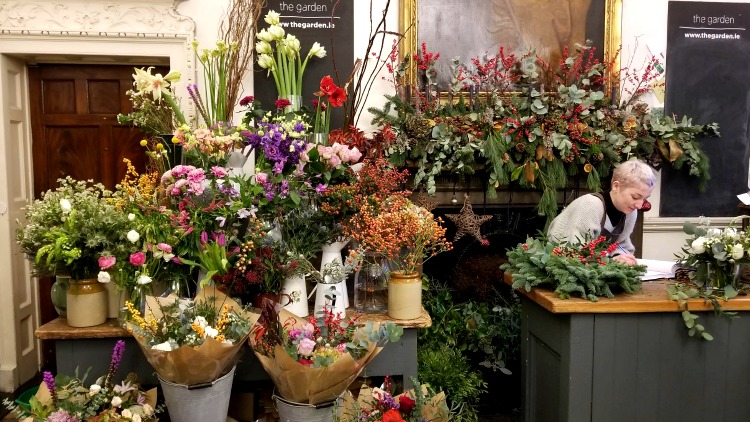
(446, 26)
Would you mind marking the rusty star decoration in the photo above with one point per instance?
(469, 223)
(425, 202)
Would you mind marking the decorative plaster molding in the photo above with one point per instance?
(119, 19)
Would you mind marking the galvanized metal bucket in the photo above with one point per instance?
(302, 412)
(208, 402)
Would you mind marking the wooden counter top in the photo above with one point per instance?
(652, 298)
(58, 329)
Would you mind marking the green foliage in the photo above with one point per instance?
(582, 269)
(681, 292)
(446, 369)
(489, 330)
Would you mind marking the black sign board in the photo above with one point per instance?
(708, 68)
(328, 22)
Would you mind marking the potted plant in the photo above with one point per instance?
(66, 232)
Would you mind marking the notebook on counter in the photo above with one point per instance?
(657, 270)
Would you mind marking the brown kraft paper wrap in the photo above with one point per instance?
(436, 410)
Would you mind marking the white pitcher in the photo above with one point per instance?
(336, 292)
(332, 252)
(296, 287)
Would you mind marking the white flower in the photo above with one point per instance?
(94, 389)
(136, 418)
(272, 17)
(147, 409)
(126, 413)
(263, 47)
(265, 61)
(116, 401)
(211, 332)
(143, 279)
(292, 43)
(65, 206)
(731, 233)
(166, 347)
(201, 321)
(264, 35)
(276, 32)
(738, 251)
(714, 232)
(698, 246)
(317, 50)
(131, 217)
(133, 236)
(103, 277)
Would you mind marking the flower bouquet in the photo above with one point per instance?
(582, 267)
(194, 341)
(380, 404)
(314, 360)
(714, 255)
(70, 399)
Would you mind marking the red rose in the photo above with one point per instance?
(406, 404)
(392, 415)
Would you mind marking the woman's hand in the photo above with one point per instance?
(627, 259)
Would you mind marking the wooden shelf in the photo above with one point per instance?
(652, 298)
(58, 329)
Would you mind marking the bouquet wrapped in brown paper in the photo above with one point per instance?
(194, 341)
(314, 360)
(379, 404)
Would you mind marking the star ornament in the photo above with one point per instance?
(469, 223)
(425, 202)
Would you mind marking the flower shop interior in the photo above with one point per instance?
(319, 210)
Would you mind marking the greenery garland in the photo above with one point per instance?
(582, 268)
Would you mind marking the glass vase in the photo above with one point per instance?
(719, 276)
(371, 285)
(295, 103)
(58, 294)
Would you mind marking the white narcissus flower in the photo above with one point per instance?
(276, 32)
(133, 236)
(143, 279)
(738, 251)
(292, 43)
(265, 61)
(698, 246)
(65, 206)
(116, 401)
(166, 347)
(272, 17)
(103, 277)
(264, 35)
(317, 50)
(263, 47)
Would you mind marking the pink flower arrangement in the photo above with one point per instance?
(184, 180)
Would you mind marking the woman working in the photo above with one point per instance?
(610, 214)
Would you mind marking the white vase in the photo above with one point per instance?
(335, 292)
(332, 252)
(296, 288)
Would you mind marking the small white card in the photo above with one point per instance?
(745, 198)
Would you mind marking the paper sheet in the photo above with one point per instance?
(657, 270)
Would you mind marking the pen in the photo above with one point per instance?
(622, 249)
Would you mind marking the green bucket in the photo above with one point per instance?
(23, 400)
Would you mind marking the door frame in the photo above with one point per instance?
(124, 37)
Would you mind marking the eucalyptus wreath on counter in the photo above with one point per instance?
(582, 268)
(518, 133)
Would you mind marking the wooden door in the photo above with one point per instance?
(75, 133)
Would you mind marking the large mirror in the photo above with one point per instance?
(469, 29)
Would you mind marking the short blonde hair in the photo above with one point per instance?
(634, 172)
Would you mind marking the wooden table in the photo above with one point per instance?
(92, 347)
(630, 359)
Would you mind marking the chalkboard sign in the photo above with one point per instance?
(708, 79)
(328, 22)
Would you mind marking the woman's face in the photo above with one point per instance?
(629, 198)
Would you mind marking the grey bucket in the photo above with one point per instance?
(302, 412)
(208, 402)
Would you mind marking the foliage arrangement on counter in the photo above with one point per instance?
(519, 133)
(582, 268)
(713, 260)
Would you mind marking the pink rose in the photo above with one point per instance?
(138, 259)
(106, 262)
(261, 178)
(354, 155)
(164, 247)
(305, 347)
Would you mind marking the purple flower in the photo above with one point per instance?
(269, 196)
(204, 237)
(49, 381)
(60, 416)
(321, 188)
